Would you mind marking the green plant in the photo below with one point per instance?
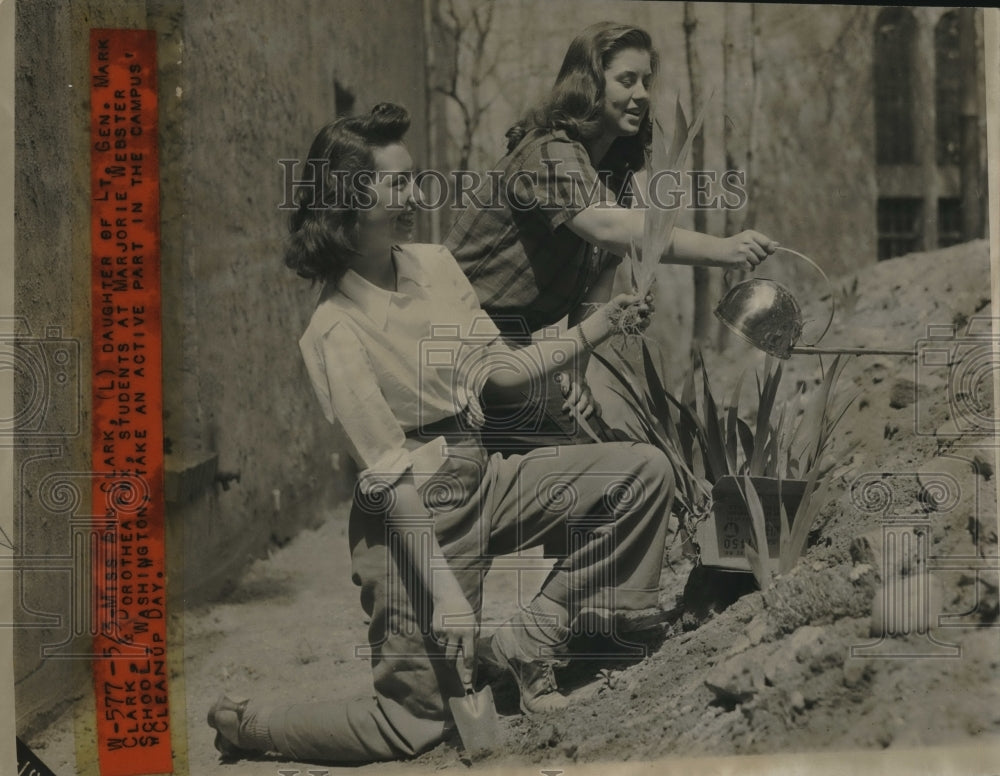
(811, 437)
(673, 435)
(705, 441)
(849, 296)
(793, 536)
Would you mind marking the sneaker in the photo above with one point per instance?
(536, 679)
(225, 717)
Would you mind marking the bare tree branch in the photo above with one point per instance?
(468, 31)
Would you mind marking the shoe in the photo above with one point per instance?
(536, 679)
(636, 620)
(225, 717)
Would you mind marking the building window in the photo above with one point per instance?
(899, 229)
(949, 221)
(895, 32)
(948, 89)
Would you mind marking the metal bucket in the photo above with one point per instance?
(764, 313)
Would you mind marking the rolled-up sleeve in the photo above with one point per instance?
(351, 399)
(559, 180)
(479, 333)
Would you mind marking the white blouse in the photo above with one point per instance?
(383, 363)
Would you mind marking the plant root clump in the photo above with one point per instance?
(626, 321)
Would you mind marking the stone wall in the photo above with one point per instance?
(52, 454)
(254, 84)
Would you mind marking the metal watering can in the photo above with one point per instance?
(764, 313)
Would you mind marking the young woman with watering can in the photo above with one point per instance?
(562, 224)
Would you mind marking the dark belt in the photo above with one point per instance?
(454, 428)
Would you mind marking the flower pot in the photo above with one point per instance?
(723, 534)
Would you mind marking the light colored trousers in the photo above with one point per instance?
(604, 506)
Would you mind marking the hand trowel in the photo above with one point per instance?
(476, 718)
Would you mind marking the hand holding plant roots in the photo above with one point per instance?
(629, 315)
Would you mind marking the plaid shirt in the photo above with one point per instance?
(512, 242)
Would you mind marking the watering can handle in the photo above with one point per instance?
(829, 285)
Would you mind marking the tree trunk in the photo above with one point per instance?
(971, 195)
(703, 322)
(738, 96)
(924, 133)
(431, 98)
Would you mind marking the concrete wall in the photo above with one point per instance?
(242, 85)
(255, 83)
(52, 244)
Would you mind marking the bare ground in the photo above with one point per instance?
(795, 669)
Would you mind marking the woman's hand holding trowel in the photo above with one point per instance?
(455, 625)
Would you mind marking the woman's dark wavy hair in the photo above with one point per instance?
(324, 224)
(575, 102)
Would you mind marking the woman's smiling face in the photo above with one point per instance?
(392, 208)
(626, 97)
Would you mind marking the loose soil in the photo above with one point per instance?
(733, 670)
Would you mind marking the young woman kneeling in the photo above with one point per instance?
(397, 351)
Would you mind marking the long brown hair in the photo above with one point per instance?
(575, 102)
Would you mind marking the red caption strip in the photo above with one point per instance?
(130, 675)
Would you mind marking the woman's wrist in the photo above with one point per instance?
(588, 346)
(594, 329)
